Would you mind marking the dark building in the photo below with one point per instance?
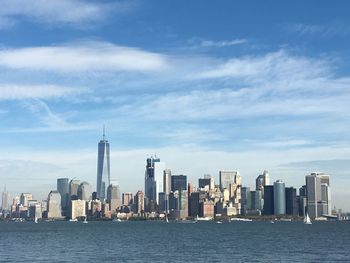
(291, 201)
(178, 183)
(245, 199)
(173, 201)
(203, 182)
(268, 200)
(303, 191)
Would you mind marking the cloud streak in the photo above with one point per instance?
(83, 57)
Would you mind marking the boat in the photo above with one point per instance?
(307, 219)
(35, 220)
(207, 218)
(85, 221)
(272, 222)
(219, 222)
(73, 220)
(286, 220)
(241, 219)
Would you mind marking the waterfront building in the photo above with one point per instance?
(256, 202)
(25, 198)
(113, 197)
(162, 202)
(262, 180)
(291, 201)
(194, 204)
(166, 181)
(279, 198)
(173, 200)
(235, 192)
(139, 203)
(302, 204)
(154, 180)
(207, 208)
(78, 209)
(54, 205)
(127, 199)
(35, 211)
(303, 191)
(85, 191)
(268, 200)
(318, 194)
(4, 200)
(183, 204)
(73, 189)
(63, 189)
(245, 200)
(103, 167)
(178, 183)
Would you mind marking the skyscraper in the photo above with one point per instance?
(291, 201)
(262, 180)
(226, 178)
(268, 200)
(63, 189)
(167, 182)
(4, 200)
(103, 167)
(113, 196)
(318, 194)
(154, 175)
(54, 205)
(279, 198)
(85, 191)
(178, 183)
(73, 189)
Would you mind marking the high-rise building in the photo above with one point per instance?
(85, 191)
(154, 176)
(262, 180)
(291, 201)
(178, 183)
(63, 189)
(103, 168)
(318, 194)
(78, 209)
(226, 178)
(279, 198)
(268, 200)
(25, 198)
(245, 200)
(167, 181)
(206, 182)
(54, 205)
(113, 196)
(127, 198)
(235, 189)
(139, 203)
(4, 200)
(73, 189)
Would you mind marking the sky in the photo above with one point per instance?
(204, 85)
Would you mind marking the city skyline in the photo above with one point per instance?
(225, 87)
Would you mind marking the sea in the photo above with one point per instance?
(158, 241)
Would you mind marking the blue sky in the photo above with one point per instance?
(248, 85)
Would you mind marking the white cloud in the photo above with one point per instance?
(224, 43)
(77, 57)
(62, 11)
(18, 92)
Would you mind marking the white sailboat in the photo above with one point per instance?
(307, 219)
(85, 221)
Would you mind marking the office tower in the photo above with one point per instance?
(178, 183)
(245, 200)
(127, 199)
(262, 180)
(207, 182)
(139, 203)
(303, 191)
(73, 189)
(256, 201)
(113, 196)
(268, 200)
(279, 198)
(4, 200)
(25, 198)
(63, 189)
(54, 205)
(194, 204)
(207, 209)
(235, 189)
(154, 179)
(103, 168)
(226, 178)
(173, 201)
(78, 209)
(85, 191)
(302, 204)
(183, 204)
(318, 194)
(167, 181)
(35, 211)
(161, 202)
(291, 201)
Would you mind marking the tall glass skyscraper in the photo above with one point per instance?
(103, 168)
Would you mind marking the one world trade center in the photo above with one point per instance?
(103, 168)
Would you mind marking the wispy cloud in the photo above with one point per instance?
(223, 43)
(61, 12)
(321, 30)
(20, 92)
(86, 56)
